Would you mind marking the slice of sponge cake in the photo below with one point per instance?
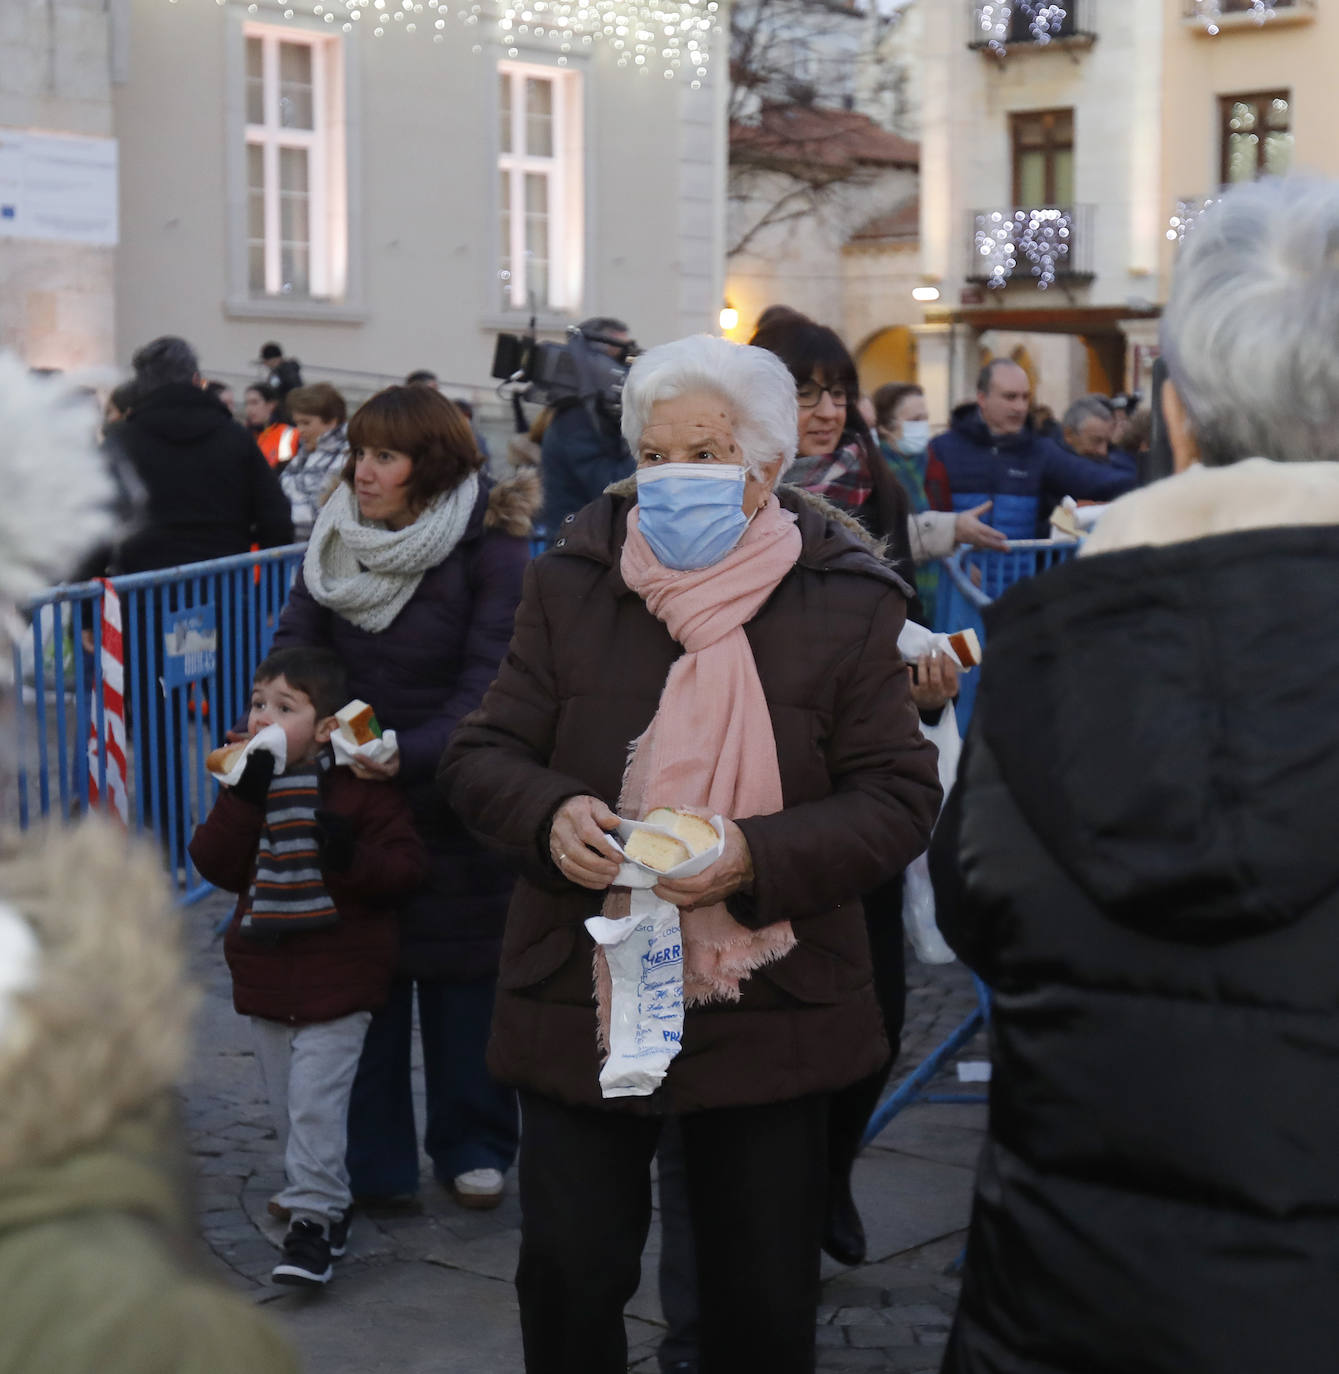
(661, 852)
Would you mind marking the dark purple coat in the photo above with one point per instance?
(422, 674)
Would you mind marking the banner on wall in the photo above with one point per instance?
(57, 187)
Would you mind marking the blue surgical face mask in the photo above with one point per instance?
(915, 437)
(691, 514)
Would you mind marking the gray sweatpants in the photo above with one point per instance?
(308, 1074)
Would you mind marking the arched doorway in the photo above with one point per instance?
(888, 356)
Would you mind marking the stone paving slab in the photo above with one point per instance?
(433, 1291)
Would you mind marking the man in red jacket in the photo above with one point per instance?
(319, 859)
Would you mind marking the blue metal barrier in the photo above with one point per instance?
(192, 638)
(962, 596)
(913, 1087)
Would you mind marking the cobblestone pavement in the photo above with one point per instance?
(432, 1290)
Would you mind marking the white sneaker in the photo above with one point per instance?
(478, 1188)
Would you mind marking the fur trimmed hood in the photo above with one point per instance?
(1256, 493)
(513, 504)
(103, 1026)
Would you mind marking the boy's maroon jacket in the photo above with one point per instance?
(318, 975)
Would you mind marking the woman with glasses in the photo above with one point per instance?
(837, 458)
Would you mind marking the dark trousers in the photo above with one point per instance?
(472, 1122)
(678, 1269)
(754, 1177)
(849, 1113)
(853, 1105)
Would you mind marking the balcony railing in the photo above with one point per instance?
(998, 25)
(1215, 14)
(1038, 244)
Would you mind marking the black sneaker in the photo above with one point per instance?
(306, 1258)
(339, 1235)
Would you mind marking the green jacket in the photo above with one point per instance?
(97, 1274)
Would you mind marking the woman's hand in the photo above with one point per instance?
(731, 872)
(376, 772)
(969, 528)
(579, 843)
(935, 683)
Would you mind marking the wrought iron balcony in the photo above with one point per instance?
(1043, 245)
(998, 25)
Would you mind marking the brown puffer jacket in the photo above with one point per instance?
(581, 680)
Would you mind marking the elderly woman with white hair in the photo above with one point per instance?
(703, 638)
(1140, 859)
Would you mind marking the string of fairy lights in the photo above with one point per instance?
(1210, 12)
(1039, 239)
(672, 37)
(1044, 21)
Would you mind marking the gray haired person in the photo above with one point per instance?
(1089, 427)
(1156, 909)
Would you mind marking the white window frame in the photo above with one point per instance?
(566, 194)
(327, 263)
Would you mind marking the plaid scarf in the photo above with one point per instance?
(289, 892)
(842, 477)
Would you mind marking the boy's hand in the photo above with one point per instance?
(334, 840)
(254, 784)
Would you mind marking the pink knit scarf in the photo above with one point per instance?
(710, 743)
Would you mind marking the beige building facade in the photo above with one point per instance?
(1066, 151)
(57, 180)
(383, 204)
(374, 203)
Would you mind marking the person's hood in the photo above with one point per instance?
(179, 414)
(101, 1025)
(136, 1167)
(1162, 712)
(513, 505)
(970, 426)
(831, 540)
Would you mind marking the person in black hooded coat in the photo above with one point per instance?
(1139, 859)
(208, 491)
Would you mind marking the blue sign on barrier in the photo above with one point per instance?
(190, 645)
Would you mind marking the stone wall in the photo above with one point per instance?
(56, 299)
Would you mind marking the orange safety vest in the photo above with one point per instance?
(278, 442)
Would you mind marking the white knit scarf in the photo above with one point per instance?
(366, 572)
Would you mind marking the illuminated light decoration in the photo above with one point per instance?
(994, 19)
(1041, 238)
(1187, 216)
(1210, 13)
(677, 34)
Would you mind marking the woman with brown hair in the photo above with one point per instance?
(412, 575)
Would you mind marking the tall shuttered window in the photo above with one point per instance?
(540, 244)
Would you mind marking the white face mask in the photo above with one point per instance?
(915, 437)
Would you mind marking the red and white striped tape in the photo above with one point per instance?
(113, 740)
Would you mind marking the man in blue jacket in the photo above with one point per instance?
(992, 454)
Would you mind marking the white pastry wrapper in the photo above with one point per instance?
(272, 739)
(380, 750)
(915, 641)
(635, 874)
(645, 955)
